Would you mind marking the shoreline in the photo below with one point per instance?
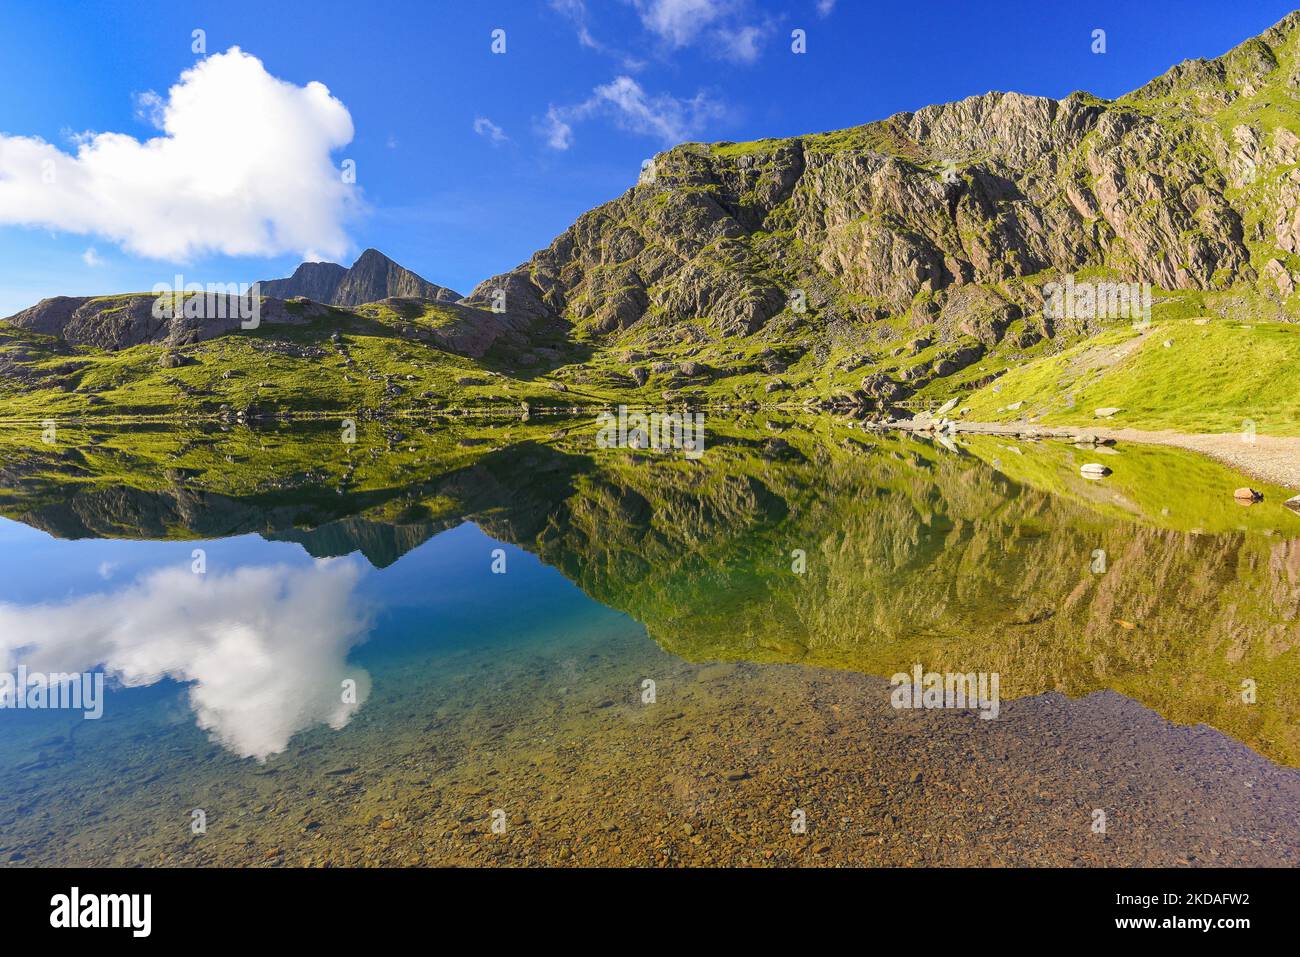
(1270, 458)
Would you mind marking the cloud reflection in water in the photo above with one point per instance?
(264, 648)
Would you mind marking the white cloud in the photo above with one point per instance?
(665, 116)
(107, 569)
(558, 133)
(150, 108)
(662, 116)
(680, 22)
(485, 127)
(743, 44)
(576, 12)
(242, 167)
(729, 29)
(726, 29)
(263, 648)
(825, 7)
(92, 258)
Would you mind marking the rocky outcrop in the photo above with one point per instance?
(371, 278)
(316, 281)
(978, 312)
(883, 390)
(455, 327)
(112, 323)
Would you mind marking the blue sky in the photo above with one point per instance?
(467, 160)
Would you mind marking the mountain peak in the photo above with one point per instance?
(1245, 72)
(371, 255)
(1189, 183)
(373, 276)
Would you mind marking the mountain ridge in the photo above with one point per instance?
(891, 265)
(1032, 184)
(370, 278)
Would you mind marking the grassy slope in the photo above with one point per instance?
(260, 368)
(1213, 377)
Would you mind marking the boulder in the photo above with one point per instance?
(958, 360)
(174, 360)
(1248, 495)
(1106, 411)
(1094, 470)
(880, 387)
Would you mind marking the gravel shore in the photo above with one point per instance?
(1271, 458)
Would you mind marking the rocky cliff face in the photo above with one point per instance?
(951, 217)
(315, 281)
(371, 278)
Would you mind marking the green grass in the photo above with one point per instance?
(1156, 485)
(286, 370)
(1213, 377)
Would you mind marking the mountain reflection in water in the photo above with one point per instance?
(995, 557)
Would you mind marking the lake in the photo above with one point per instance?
(501, 643)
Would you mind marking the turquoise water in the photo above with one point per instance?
(260, 643)
(615, 660)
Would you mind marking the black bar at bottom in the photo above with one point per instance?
(366, 906)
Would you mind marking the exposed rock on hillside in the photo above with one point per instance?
(372, 277)
(119, 322)
(455, 327)
(113, 323)
(949, 215)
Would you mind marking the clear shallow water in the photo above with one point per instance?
(521, 692)
(260, 643)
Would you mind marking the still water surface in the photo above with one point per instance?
(500, 644)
